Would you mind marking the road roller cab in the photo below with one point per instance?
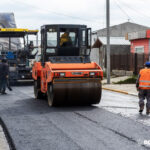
(65, 73)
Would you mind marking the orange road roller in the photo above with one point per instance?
(64, 74)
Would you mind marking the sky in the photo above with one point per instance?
(34, 13)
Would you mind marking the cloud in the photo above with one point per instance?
(34, 13)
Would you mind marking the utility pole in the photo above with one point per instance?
(108, 39)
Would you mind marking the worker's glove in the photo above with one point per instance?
(137, 89)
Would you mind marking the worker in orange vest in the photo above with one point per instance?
(143, 86)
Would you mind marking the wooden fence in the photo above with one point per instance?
(128, 62)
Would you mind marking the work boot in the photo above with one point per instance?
(9, 88)
(4, 93)
(141, 109)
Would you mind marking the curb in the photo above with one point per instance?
(119, 91)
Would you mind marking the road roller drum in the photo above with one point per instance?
(75, 91)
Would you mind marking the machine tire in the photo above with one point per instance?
(50, 97)
(37, 93)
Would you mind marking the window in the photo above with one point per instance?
(38, 58)
(68, 37)
(139, 49)
(35, 51)
(74, 40)
(82, 52)
(83, 38)
(89, 38)
(52, 38)
(50, 50)
(88, 52)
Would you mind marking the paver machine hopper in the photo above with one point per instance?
(65, 74)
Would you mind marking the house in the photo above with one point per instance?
(120, 30)
(140, 47)
(120, 47)
(140, 41)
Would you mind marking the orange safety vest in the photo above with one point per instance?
(144, 80)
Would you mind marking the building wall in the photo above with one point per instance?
(95, 55)
(98, 55)
(140, 42)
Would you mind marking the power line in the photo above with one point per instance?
(60, 14)
(118, 5)
(136, 10)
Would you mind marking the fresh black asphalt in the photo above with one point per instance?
(33, 125)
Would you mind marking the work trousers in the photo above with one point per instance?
(3, 84)
(142, 95)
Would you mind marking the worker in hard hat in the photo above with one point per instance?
(65, 40)
(143, 86)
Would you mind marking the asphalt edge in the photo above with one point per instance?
(119, 91)
(7, 135)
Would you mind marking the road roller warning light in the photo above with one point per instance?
(65, 74)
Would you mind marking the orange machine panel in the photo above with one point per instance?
(36, 70)
(51, 71)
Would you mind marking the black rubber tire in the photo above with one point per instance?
(50, 97)
(37, 93)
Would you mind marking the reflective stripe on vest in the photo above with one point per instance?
(144, 86)
(144, 81)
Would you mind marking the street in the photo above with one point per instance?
(113, 124)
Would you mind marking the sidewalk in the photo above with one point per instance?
(121, 88)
